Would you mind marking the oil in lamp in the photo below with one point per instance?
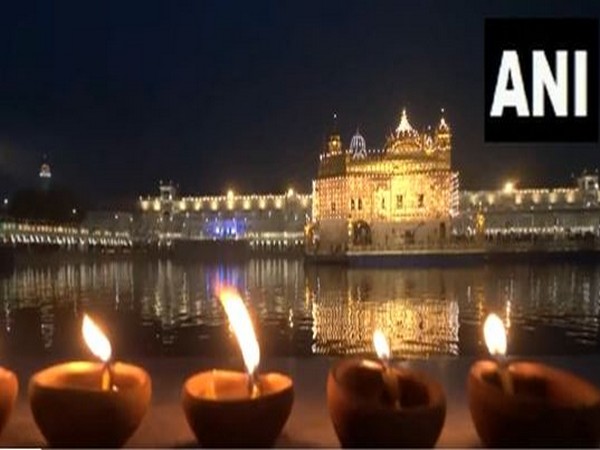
(9, 387)
(529, 404)
(373, 403)
(90, 404)
(226, 408)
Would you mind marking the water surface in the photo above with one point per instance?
(160, 307)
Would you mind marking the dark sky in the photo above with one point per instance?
(223, 93)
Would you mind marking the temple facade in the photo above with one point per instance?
(403, 194)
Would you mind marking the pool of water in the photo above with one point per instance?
(161, 307)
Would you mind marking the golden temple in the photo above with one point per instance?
(405, 193)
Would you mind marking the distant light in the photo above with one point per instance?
(6, 201)
(290, 192)
(509, 187)
(45, 171)
(74, 211)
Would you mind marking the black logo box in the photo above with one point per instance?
(548, 34)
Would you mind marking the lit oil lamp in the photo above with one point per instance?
(495, 337)
(528, 404)
(227, 408)
(9, 387)
(90, 404)
(375, 404)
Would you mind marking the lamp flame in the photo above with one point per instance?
(381, 345)
(95, 339)
(495, 335)
(240, 321)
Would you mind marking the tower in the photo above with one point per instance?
(332, 161)
(334, 141)
(443, 134)
(330, 203)
(45, 174)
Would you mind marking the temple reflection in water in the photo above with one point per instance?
(411, 309)
(160, 307)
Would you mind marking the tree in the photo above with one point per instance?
(55, 206)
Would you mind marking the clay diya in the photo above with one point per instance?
(374, 404)
(9, 387)
(238, 409)
(89, 404)
(528, 404)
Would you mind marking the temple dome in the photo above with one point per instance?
(358, 146)
(404, 127)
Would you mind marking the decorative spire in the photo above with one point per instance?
(404, 127)
(443, 126)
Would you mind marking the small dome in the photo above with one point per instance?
(358, 146)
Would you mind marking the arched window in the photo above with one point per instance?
(399, 201)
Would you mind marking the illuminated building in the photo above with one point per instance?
(405, 193)
(515, 211)
(264, 221)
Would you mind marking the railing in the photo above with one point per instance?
(562, 245)
(26, 234)
(257, 237)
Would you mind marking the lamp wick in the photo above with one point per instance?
(108, 377)
(253, 387)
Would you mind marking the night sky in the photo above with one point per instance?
(219, 94)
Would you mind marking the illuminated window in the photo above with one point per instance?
(332, 206)
(399, 200)
(421, 201)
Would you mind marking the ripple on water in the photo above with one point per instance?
(162, 307)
